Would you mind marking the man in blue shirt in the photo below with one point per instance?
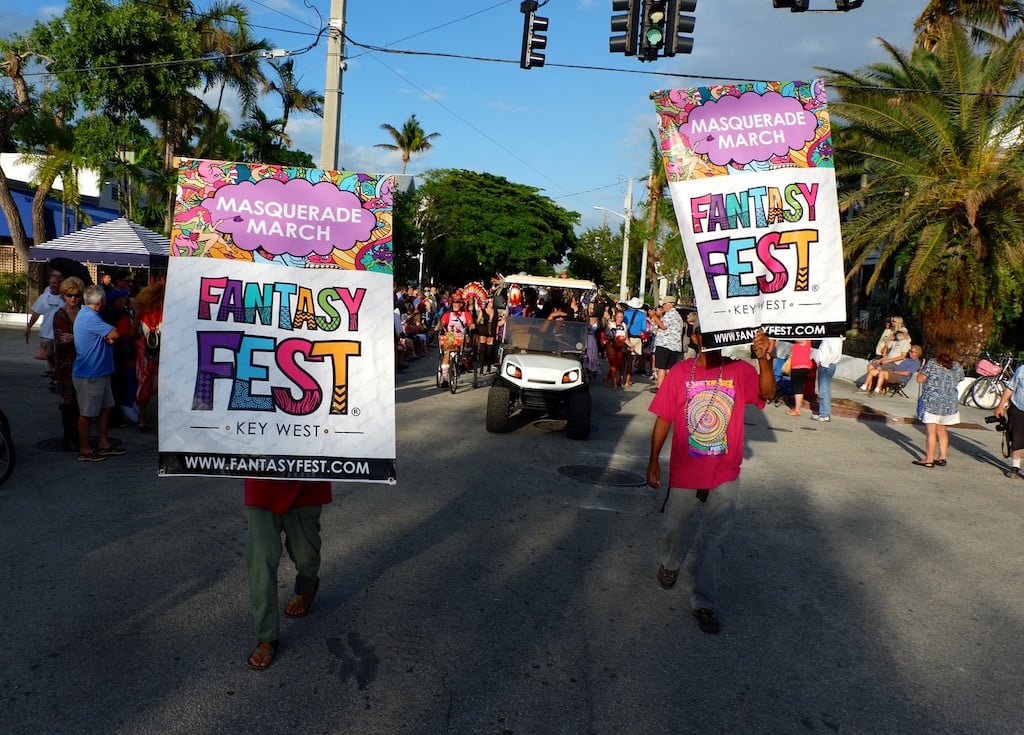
(898, 373)
(94, 364)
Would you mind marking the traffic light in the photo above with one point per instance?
(680, 25)
(626, 25)
(652, 29)
(533, 26)
(795, 6)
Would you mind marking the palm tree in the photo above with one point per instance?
(236, 63)
(260, 135)
(410, 139)
(981, 17)
(292, 96)
(943, 178)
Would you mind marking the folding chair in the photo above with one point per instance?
(893, 389)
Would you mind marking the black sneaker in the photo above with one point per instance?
(707, 620)
(667, 577)
(1014, 472)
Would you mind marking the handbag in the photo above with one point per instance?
(987, 368)
(787, 366)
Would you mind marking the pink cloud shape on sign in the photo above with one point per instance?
(293, 217)
(751, 127)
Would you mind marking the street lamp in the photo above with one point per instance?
(627, 218)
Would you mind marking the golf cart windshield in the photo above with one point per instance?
(525, 334)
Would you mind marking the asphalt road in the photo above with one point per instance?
(490, 593)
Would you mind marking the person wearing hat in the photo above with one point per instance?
(702, 400)
(668, 337)
(454, 325)
(635, 319)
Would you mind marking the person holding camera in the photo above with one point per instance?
(1011, 410)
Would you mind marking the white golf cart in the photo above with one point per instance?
(541, 360)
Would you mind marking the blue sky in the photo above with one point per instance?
(575, 133)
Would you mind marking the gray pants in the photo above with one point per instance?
(263, 547)
(688, 520)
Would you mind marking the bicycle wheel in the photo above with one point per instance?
(453, 372)
(986, 392)
(7, 455)
(440, 381)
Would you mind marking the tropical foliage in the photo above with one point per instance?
(115, 71)
(471, 223)
(409, 140)
(934, 139)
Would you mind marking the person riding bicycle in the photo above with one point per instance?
(455, 326)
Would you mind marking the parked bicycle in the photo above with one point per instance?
(993, 375)
(7, 455)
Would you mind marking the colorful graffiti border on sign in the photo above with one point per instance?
(278, 325)
(750, 170)
(299, 217)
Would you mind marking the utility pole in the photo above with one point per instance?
(625, 239)
(332, 87)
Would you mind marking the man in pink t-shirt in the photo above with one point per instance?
(704, 399)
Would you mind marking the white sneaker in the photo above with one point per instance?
(819, 417)
(863, 387)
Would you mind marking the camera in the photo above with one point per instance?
(999, 421)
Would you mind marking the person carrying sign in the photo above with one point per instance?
(702, 399)
(272, 507)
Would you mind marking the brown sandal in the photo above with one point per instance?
(300, 604)
(262, 656)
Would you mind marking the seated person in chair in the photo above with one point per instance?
(899, 372)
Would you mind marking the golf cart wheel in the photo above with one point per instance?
(577, 425)
(498, 399)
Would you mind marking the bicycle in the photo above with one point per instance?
(7, 454)
(988, 388)
(461, 360)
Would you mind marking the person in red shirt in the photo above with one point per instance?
(704, 399)
(273, 507)
(455, 326)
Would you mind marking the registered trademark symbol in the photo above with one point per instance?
(355, 411)
(815, 287)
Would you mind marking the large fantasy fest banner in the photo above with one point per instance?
(277, 352)
(751, 176)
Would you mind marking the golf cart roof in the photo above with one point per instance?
(548, 282)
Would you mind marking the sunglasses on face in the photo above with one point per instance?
(72, 295)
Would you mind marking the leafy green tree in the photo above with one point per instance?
(259, 136)
(473, 225)
(15, 106)
(597, 256)
(942, 174)
(236, 56)
(293, 97)
(410, 139)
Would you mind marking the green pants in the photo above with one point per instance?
(301, 528)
